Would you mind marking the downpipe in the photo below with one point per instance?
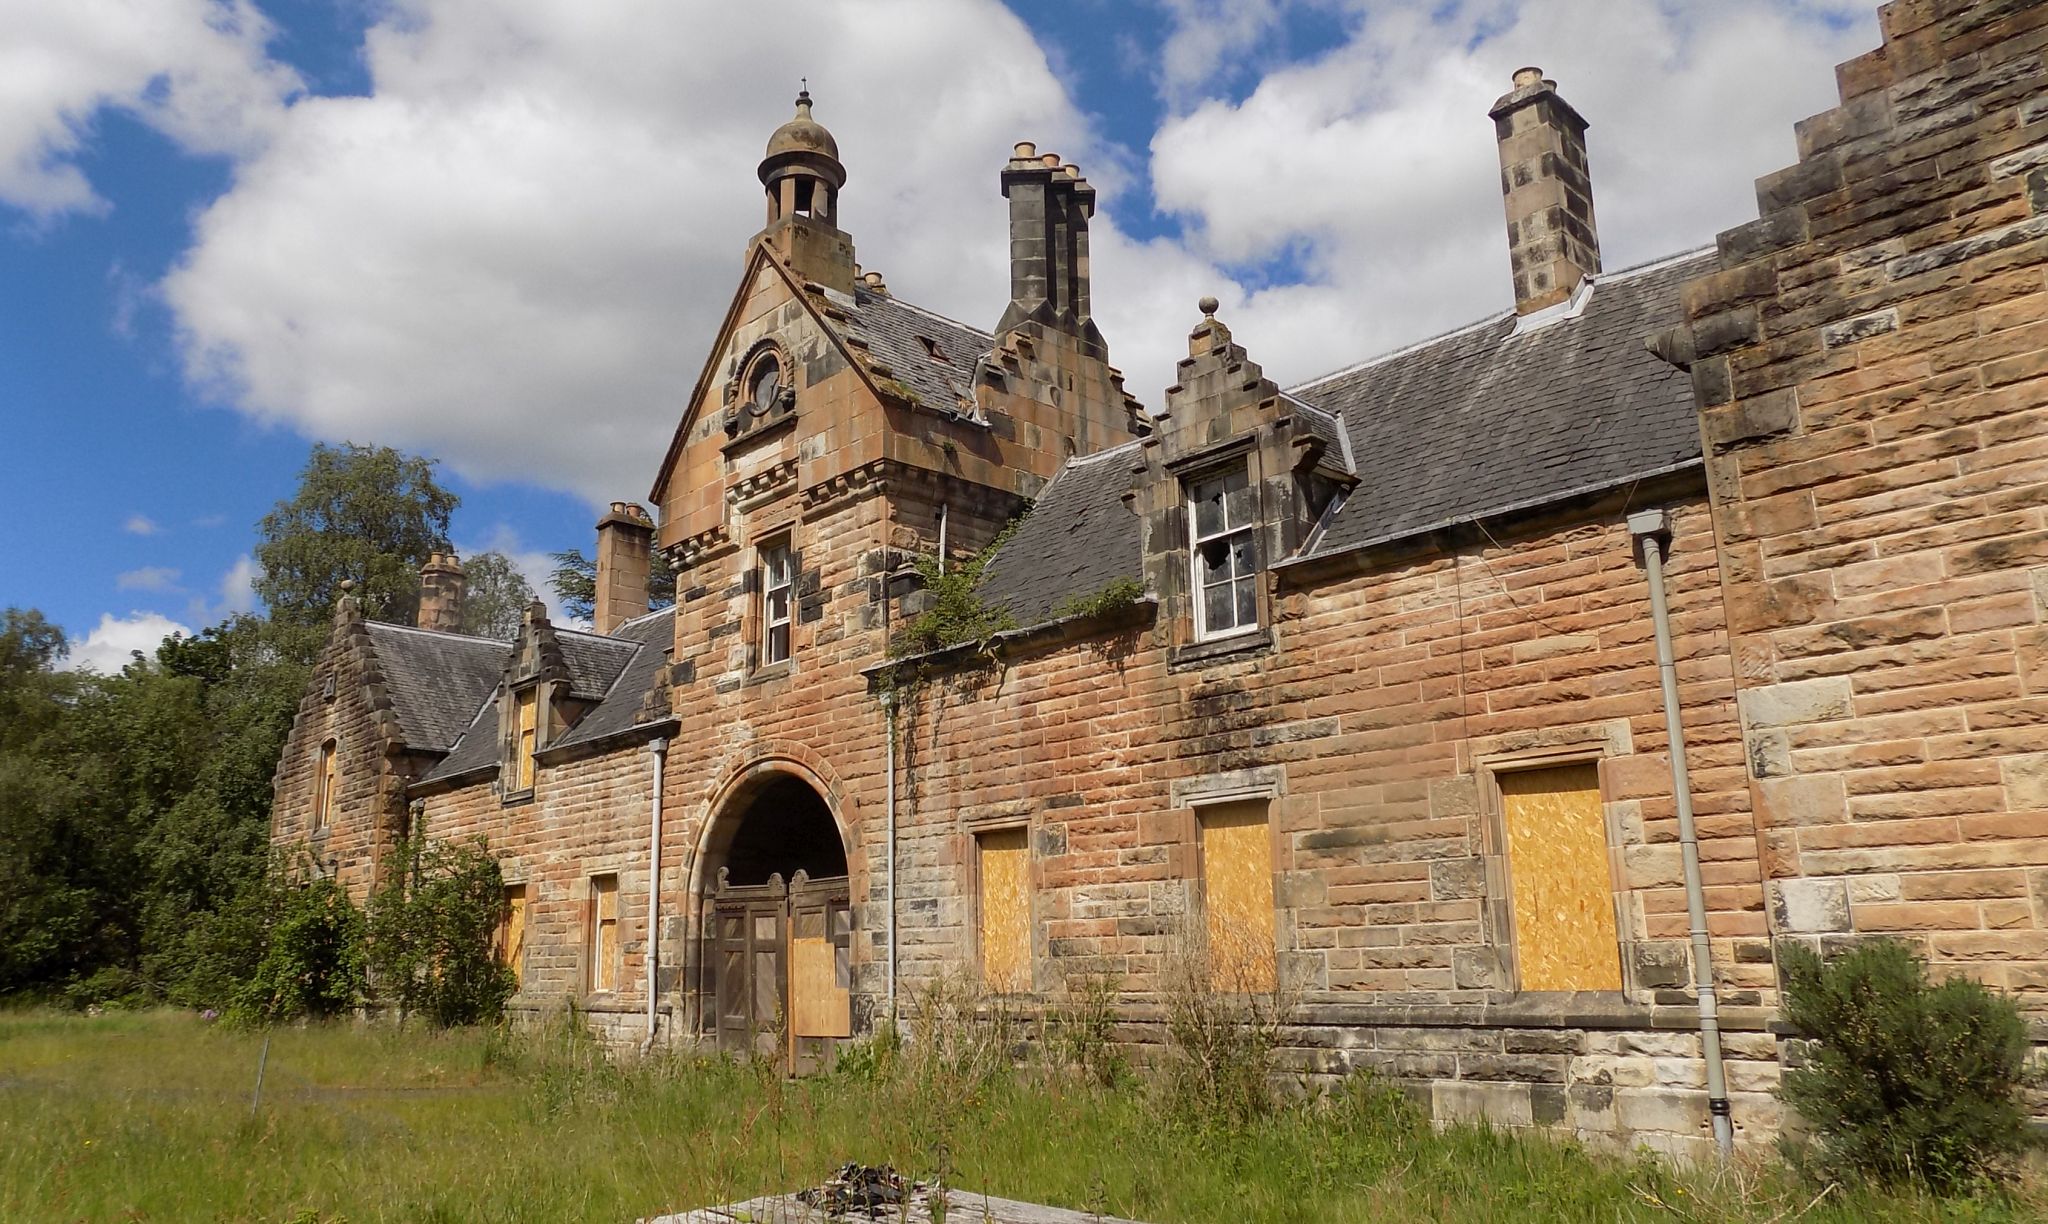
(889, 807)
(1652, 528)
(658, 748)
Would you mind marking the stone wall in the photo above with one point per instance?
(1374, 722)
(1872, 369)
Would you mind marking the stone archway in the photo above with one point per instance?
(778, 923)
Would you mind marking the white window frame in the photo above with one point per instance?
(778, 599)
(1196, 538)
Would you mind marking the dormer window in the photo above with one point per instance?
(1223, 552)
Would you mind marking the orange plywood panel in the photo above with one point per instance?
(1237, 892)
(512, 940)
(818, 1006)
(1005, 909)
(1563, 892)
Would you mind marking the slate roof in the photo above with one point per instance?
(435, 680)
(1482, 420)
(650, 637)
(615, 671)
(1475, 422)
(897, 334)
(1078, 538)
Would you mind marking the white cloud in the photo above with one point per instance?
(147, 578)
(534, 564)
(512, 254)
(238, 587)
(194, 70)
(140, 524)
(1374, 167)
(115, 640)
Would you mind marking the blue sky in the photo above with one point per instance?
(499, 234)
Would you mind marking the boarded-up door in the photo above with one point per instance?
(1004, 909)
(820, 971)
(781, 959)
(1558, 877)
(1237, 896)
(746, 936)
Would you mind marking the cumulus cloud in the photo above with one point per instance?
(140, 524)
(147, 578)
(1373, 168)
(238, 587)
(195, 70)
(117, 639)
(513, 252)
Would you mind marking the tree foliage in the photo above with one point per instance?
(496, 597)
(1908, 1080)
(431, 932)
(369, 514)
(575, 582)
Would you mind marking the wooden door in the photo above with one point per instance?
(748, 929)
(820, 971)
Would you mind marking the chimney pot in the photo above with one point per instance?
(1050, 161)
(1024, 151)
(1525, 77)
(1071, 170)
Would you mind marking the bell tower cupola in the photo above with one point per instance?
(802, 174)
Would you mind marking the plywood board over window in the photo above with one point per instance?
(512, 933)
(1558, 877)
(529, 737)
(1237, 896)
(1004, 867)
(604, 932)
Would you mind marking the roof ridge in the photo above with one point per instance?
(439, 633)
(644, 616)
(927, 312)
(594, 634)
(1599, 278)
(1093, 456)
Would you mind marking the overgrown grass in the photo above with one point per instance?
(147, 1116)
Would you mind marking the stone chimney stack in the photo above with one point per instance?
(1050, 204)
(625, 553)
(1552, 241)
(443, 586)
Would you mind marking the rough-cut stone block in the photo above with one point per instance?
(1809, 907)
(1796, 701)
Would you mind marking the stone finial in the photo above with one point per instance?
(1208, 307)
(1209, 335)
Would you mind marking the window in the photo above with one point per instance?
(775, 593)
(326, 787)
(1237, 896)
(510, 942)
(1003, 865)
(604, 933)
(529, 738)
(763, 381)
(1224, 544)
(1555, 832)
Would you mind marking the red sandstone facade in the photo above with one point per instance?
(1435, 759)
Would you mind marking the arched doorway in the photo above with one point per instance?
(779, 924)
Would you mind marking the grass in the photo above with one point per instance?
(147, 1116)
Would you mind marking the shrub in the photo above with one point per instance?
(1908, 1080)
(1225, 1006)
(312, 963)
(1080, 1031)
(432, 929)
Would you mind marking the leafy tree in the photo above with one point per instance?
(312, 964)
(361, 513)
(575, 582)
(431, 931)
(496, 598)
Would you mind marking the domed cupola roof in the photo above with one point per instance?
(803, 145)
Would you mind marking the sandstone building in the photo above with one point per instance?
(1355, 683)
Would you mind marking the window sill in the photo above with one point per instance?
(517, 798)
(773, 671)
(1220, 649)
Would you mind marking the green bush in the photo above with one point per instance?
(431, 932)
(312, 963)
(1908, 1080)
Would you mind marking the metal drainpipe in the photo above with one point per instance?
(659, 748)
(1653, 529)
(889, 806)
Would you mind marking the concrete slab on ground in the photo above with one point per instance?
(962, 1207)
